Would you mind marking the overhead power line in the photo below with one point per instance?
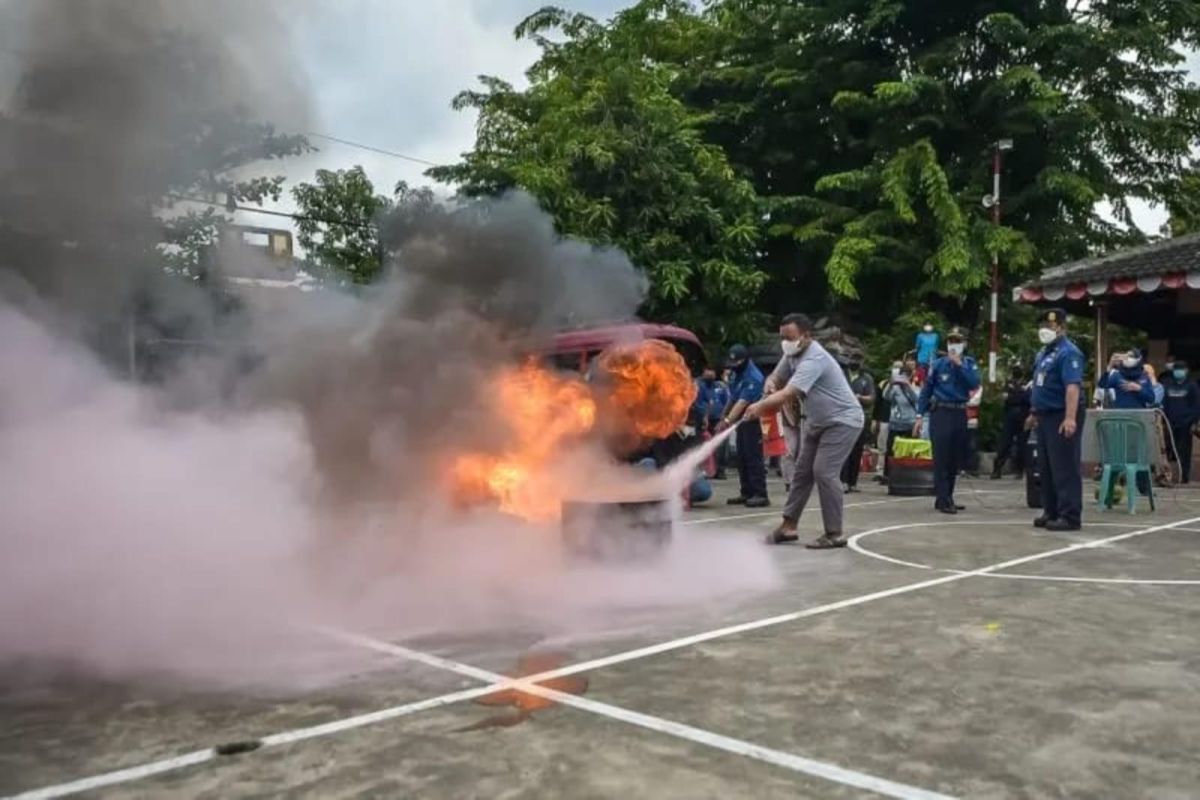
(368, 147)
(271, 213)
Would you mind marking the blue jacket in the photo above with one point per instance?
(1115, 380)
(949, 383)
(711, 400)
(1058, 366)
(1182, 402)
(747, 384)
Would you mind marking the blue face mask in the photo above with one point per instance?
(1180, 374)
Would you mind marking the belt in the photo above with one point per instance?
(939, 405)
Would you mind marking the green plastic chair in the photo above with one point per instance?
(1124, 450)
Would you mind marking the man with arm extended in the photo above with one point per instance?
(833, 423)
(1058, 417)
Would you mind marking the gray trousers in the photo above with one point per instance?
(819, 462)
(791, 437)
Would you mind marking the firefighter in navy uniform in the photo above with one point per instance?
(943, 401)
(1181, 405)
(1058, 413)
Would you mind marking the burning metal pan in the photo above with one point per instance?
(616, 531)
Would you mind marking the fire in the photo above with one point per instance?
(645, 391)
(542, 411)
(649, 388)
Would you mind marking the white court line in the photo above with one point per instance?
(858, 548)
(818, 769)
(745, 627)
(337, 726)
(201, 756)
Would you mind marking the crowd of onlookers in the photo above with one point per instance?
(891, 412)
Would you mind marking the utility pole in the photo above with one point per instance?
(992, 201)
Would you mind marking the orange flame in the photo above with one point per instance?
(646, 391)
(542, 411)
(649, 388)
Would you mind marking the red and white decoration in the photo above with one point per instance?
(1118, 286)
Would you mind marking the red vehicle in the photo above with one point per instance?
(575, 350)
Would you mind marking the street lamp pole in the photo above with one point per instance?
(993, 202)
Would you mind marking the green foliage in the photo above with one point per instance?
(337, 224)
(871, 142)
(1184, 206)
(604, 143)
(817, 153)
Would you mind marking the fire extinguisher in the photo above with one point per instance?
(773, 442)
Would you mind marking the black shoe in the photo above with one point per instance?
(757, 502)
(946, 509)
(957, 507)
(1062, 526)
(851, 490)
(1043, 521)
(736, 501)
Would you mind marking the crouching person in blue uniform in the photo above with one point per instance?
(1058, 414)
(943, 402)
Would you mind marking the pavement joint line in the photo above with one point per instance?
(817, 769)
(337, 726)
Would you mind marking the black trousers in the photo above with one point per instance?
(948, 435)
(1059, 460)
(1183, 443)
(1012, 440)
(853, 465)
(752, 468)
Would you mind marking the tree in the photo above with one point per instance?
(338, 222)
(227, 141)
(871, 140)
(616, 158)
(1184, 206)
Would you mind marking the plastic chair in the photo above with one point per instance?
(1124, 450)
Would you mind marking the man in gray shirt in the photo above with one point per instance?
(833, 423)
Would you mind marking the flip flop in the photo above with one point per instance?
(781, 536)
(826, 543)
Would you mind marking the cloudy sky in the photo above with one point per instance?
(383, 73)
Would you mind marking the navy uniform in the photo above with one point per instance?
(747, 387)
(1059, 365)
(1181, 404)
(943, 402)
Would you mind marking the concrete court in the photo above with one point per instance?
(922, 663)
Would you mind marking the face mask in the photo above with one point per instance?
(928, 329)
(790, 347)
(1046, 335)
(1180, 374)
(956, 349)
(1129, 363)
(895, 372)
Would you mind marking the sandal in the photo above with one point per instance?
(826, 542)
(781, 535)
